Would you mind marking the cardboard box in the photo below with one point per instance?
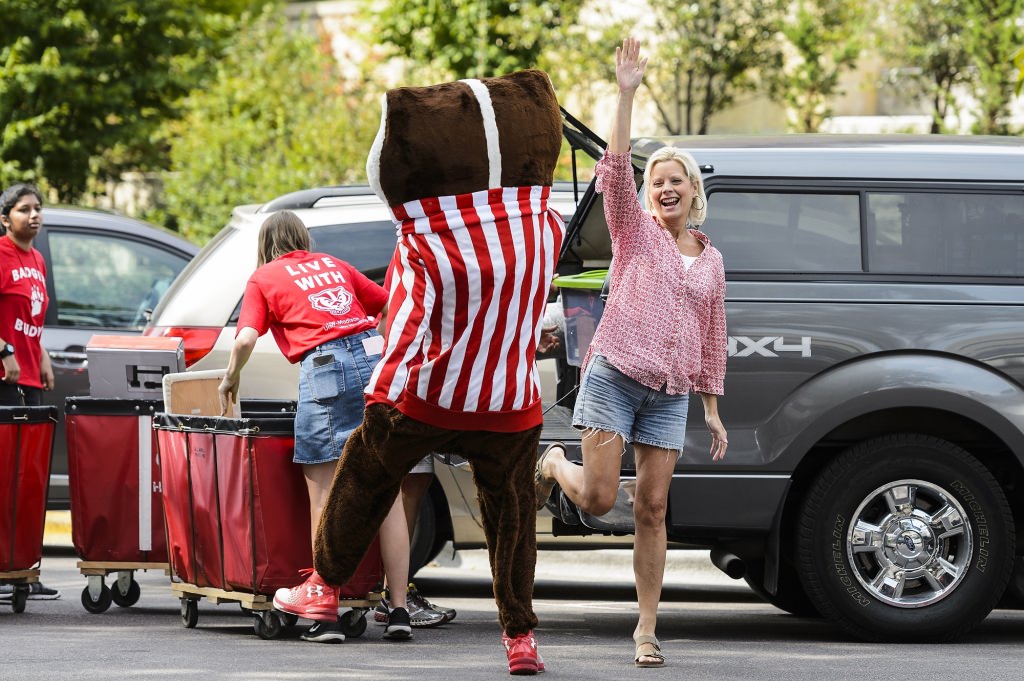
(195, 394)
(132, 367)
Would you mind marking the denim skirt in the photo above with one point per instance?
(613, 402)
(331, 402)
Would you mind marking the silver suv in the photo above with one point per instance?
(203, 304)
(875, 383)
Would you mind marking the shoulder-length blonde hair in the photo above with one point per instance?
(699, 208)
(283, 232)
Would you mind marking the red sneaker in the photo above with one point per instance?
(314, 599)
(523, 658)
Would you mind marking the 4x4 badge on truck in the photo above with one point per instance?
(759, 346)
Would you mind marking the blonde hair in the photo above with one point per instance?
(696, 215)
(283, 232)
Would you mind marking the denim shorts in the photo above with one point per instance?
(611, 401)
(331, 401)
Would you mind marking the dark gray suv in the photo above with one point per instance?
(875, 384)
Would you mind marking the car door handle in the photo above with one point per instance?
(66, 356)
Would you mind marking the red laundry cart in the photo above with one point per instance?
(237, 516)
(26, 445)
(117, 517)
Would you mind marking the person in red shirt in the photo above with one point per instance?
(23, 300)
(322, 313)
(26, 371)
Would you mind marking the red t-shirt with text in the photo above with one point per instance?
(23, 302)
(306, 299)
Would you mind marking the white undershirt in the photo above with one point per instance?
(688, 260)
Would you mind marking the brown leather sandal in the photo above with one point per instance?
(648, 646)
(542, 486)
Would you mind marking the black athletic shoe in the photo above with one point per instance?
(37, 591)
(324, 632)
(421, 614)
(399, 628)
(417, 600)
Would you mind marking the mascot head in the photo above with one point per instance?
(466, 136)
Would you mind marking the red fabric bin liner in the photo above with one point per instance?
(116, 508)
(236, 506)
(26, 445)
(172, 448)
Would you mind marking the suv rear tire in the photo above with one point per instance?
(905, 538)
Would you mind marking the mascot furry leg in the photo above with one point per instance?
(466, 169)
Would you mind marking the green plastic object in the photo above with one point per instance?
(592, 279)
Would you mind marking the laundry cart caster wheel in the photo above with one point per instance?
(129, 599)
(100, 604)
(290, 619)
(353, 623)
(189, 613)
(267, 624)
(19, 598)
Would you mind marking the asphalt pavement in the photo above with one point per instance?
(711, 628)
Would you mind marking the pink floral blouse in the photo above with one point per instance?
(663, 324)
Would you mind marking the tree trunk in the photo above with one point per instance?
(663, 114)
(689, 102)
(937, 114)
(678, 77)
(708, 107)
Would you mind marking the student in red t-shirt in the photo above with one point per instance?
(322, 313)
(25, 372)
(26, 366)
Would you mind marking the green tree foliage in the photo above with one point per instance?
(992, 33)
(704, 55)
(823, 38)
(277, 117)
(926, 42)
(85, 84)
(1018, 61)
(472, 38)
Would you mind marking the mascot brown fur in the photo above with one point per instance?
(434, 141)
(466, 169)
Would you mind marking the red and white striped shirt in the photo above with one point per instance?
(469, 281)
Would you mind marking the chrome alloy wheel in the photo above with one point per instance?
(910, 543)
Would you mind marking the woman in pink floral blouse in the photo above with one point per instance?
(662, 335)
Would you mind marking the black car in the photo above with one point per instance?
(106, 273)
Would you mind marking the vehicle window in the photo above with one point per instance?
(105, 280)
(785, 232)
(366, 246)
(927, 232)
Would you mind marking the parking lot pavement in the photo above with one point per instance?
(709, 633)
(712, 628)
(60, 640)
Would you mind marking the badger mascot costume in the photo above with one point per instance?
(466, 169)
